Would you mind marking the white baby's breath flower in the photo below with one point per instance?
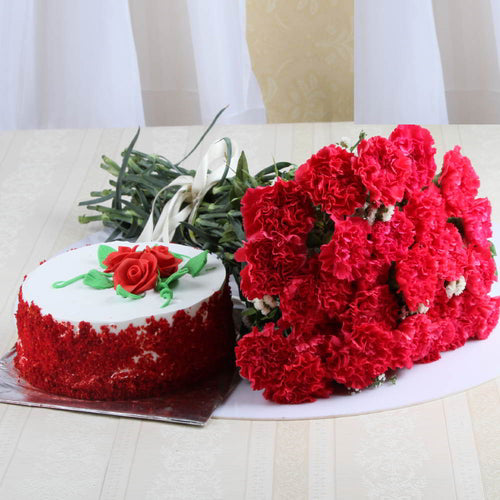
(388, 212)
(422, 309)
(261, 306)
(455, 287)
(461, 284)
(404, 313)
(451, 288)
(372, 214)
(270, 301)
(346, 142)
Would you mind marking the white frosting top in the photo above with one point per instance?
(78, 302)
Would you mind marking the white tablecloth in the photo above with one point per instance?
(446, 449)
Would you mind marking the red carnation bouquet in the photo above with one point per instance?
(364, 263)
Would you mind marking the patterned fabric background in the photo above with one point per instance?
(302, 55)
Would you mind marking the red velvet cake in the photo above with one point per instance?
(146, 323)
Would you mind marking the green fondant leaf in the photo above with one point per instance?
(167, 294)
(180, 256)
(123, 293)
(102, 252)
(174, 277)
(98, 279)
(196, 264)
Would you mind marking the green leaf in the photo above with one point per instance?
(180, 256)
(458, 222)
(117, 201)
(98, 280)
(493, 250)
(100, 199)
(203, 136)
(239, 188)
(242, 172)
(237, 227)
(196, 264)
(229, 147)
(102, 252)
(123, 293)
(436, 179)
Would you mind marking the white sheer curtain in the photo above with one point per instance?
(469, 38)
(223, 68)
(398, 76)
(73, 63)
(427, 61)
(194, 60)
(68, 64)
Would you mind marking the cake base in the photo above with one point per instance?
(192, 406)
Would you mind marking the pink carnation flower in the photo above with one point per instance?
(459, 182)
(328, 177)
(349, 250)
(384, 170)
(418, 145)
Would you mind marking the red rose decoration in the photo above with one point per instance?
(167, 263)
(114, 259)
(137, 275)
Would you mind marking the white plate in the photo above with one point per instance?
(473, 364)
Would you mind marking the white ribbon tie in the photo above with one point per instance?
(191, 192)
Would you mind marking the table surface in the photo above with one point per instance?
(446, 449)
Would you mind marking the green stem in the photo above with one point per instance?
(203, 136)
(62, 284)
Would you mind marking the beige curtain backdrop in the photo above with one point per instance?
(302, 54)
